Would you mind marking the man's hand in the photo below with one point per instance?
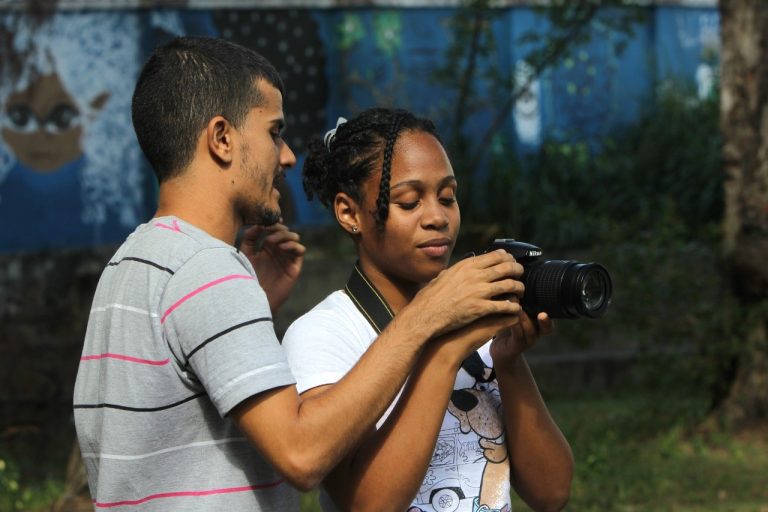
(469, 290)
(277, 256)
(457, 345)
(509, 343)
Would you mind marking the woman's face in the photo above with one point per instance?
(420, 231)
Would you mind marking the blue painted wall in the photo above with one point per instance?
(72, 175)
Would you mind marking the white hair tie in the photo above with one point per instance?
(330, 134)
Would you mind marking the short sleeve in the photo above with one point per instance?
(216, 319)
(322, 346)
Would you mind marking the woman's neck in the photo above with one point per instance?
(397, 292)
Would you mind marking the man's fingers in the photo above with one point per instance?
(279, 237)
(505, 307)
(492, 258)
(256, 231)
(509, 288)
(293, 247)
(276, 235)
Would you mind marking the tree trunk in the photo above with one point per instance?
(744, 126)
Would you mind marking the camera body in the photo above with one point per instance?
(561, 288)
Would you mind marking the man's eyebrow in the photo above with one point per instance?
(279, 124)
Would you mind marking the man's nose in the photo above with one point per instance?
(287, 157)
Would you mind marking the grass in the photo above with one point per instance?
(638, 452)
(635, 451)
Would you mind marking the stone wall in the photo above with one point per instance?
(45, 299)
(44, 303)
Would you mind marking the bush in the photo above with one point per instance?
(647, 203)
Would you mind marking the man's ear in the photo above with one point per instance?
(219, 138)
(347, 213)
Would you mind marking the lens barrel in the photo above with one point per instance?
(566, 288)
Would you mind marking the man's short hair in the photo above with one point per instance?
(183, 85)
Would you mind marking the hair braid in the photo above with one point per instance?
(353, 156)
(382, 202)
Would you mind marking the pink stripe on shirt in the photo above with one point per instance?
(173, 227)
(122, 357)
(204, 287)
(180, 494)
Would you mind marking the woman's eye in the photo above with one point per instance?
(408, 206)
(448, 201)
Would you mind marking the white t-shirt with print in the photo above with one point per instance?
(470, 458)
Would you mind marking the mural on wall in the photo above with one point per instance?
(290, 40)
(69, 167)
(72, 174)
(527, 110)
(688, 47)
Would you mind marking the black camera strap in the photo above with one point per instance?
(371, 303)
(368, 299)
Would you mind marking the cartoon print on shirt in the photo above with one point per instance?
(469, 470)
(478, 410)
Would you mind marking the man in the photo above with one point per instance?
(183, 399)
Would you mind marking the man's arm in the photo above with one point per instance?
(305, 440)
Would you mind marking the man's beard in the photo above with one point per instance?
(254, 213)
(258, 213)
(266, 216)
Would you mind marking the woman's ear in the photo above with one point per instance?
(219, 138)
(347, 213)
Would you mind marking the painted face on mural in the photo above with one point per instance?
(43, 125)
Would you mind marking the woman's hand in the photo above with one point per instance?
(512, 341)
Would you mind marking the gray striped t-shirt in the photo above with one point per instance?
(180, 332)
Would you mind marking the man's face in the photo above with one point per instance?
(42, 125)
(263, 159)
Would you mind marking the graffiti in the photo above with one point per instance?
(69, 165)
(72, 174)
(526, 113)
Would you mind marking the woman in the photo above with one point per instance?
(467, 424)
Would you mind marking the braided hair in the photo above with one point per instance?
(350, 156)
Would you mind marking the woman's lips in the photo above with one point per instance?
(436, 248)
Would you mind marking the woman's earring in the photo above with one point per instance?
(354, 229)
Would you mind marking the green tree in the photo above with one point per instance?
(471, 74)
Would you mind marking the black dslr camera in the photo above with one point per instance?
(561, 288)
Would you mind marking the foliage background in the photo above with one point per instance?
(643, 198)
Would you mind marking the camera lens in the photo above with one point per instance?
(566, 289)
(593, 290)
